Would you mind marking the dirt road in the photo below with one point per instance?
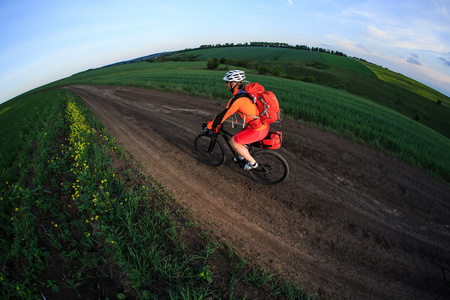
(349, 221)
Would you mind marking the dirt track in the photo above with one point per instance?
(349, 221)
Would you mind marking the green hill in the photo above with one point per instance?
(395, 91)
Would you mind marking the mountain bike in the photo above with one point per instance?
(272, 167)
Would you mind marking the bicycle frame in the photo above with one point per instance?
(226, 136)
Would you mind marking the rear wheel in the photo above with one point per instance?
(272, 167)
(209, 150)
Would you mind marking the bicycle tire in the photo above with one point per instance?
(272, 167)
(209, 149)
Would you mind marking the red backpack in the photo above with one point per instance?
(267, 102)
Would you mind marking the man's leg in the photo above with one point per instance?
(242, 151)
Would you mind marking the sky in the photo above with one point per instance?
(45, 40)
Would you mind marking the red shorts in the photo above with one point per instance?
(248, 136)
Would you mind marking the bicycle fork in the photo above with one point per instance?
(211, 146)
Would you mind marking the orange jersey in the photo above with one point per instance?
(241, 104)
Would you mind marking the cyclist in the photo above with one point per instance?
(240, 103)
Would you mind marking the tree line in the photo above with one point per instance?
(188, 57)
(272, 44)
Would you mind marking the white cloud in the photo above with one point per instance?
(414, 38)
(402, 24)
(378, 33)
(441, 7)
(349, 46)
(290, 2)
(352, 12)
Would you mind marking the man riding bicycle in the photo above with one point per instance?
(241, 103)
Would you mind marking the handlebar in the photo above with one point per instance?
(220, 131)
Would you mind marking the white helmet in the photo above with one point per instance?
(235, 75)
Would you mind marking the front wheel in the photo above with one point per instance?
(209, 150)
(273, 168)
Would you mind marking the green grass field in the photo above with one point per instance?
(348, 64)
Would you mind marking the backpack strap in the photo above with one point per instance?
(246, 94)
(243, 93)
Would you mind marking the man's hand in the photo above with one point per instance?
(214, 129)
(217, 128)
